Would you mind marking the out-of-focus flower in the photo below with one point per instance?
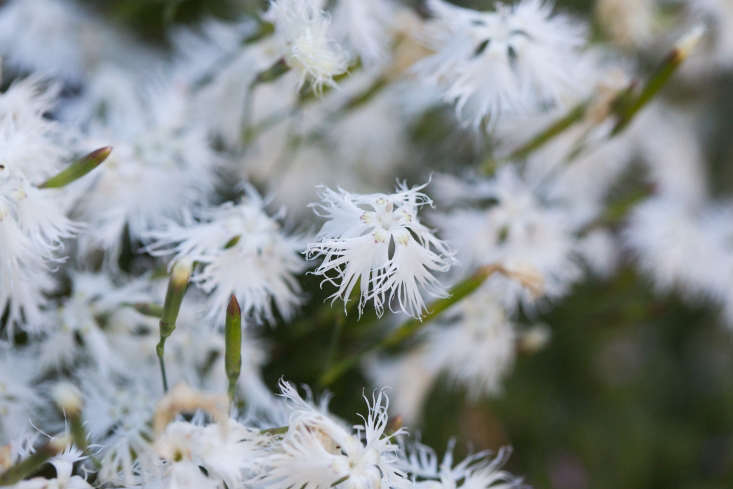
(242, 251)
(717, 51)
(520, 231)
(378, 242)
(60, 38)
(78, 317)
(212, 62)
(511, 61)
(303, 31)
(163, 163)
(117, 415)
(33, 222)
(475, 344)
(665, 233)
(226, 452)
(364, 27)
(19, 401)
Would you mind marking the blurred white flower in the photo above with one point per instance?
(303, 31)
(319, 451)
(682, 247)
(19, 401)
(364, 27)
(62, 39)
(674, 157)
(243, 251)
(217, 69)
(117, 413)
(378, 242)
(93, 296)
(519, 230)
(409, 376)
(33, 222)
(511, 61)
(716, 53)
(162, 164)
(475, 344)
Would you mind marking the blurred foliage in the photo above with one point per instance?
(634, 390)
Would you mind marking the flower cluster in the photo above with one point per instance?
(377, 242)
(553, 157)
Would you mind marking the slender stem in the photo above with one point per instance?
(177, 285)
(335, 338)
(659, 78)
(554, 129)
(412, 326)
(79, 436)
(160, 351)
(32, 463)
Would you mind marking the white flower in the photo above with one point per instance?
(60, 38)
(319, 452)
(41, 36)
(117, 413)
(162, 164)
(510, 61)
(172, 462)
(475, 344)
(522, 232)
(716, 53)
(303, 31)
(92, 296)
(364, 27)
(243, 251)
(378, 242)
(64, 465)
(19, 401)
(213, 63)
(682, 247)
(674, 157)
(33, 222)
(478, 471)
(410, 376)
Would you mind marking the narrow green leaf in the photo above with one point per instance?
(78, 169)
(233, 345)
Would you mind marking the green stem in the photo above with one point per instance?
(550, 132)
(177, 286)
(275, 71)
(335, 337)
(31, 464)
(412, 326)
(160, 351)
(658, 80)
